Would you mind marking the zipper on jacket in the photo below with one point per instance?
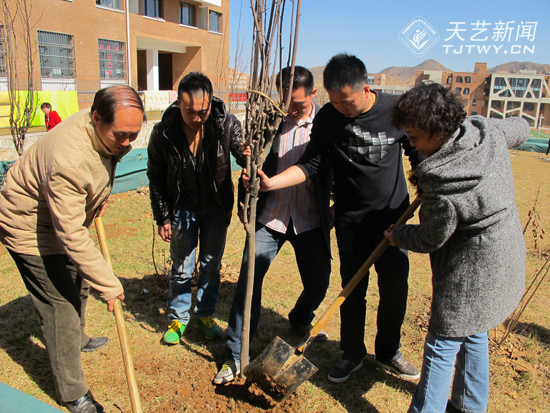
(179, 171)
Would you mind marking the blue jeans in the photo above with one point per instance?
(188, 227)
(313, 260)
(471, 382)
(355, 244)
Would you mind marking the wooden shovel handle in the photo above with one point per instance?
(122, 335)
(356, 278)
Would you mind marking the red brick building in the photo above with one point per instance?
(498, 95)
(85, 45)
(473, 87)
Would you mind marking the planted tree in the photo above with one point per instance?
(264, 115)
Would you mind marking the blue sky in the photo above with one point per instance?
(491, 31)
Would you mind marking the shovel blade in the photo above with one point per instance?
(279, 370)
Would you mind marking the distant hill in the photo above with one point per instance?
(404, 75)
(515, 67)
(318, 75)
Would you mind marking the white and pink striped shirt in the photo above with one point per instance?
(297, 202)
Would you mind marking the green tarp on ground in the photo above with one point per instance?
(534, 145)
(131, 172)
(15, 401)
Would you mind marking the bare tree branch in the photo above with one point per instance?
(263, 118)
(19, 25)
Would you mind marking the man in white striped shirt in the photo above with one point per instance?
(299, 214)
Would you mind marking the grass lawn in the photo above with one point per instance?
(178, 378)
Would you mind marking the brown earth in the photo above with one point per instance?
(179, 378)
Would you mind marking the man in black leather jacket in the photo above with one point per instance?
(189, 170)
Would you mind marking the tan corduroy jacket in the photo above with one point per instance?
(52, 194)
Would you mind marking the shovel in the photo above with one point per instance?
(123, 337)
(280, 369)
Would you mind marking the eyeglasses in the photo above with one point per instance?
(411, 138)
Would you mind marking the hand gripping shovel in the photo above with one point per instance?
(123, 337)
(280, 368)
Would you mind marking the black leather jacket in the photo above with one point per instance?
(165, 162)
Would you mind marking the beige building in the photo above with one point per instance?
(85, 45)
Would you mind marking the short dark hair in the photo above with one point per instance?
(46, 105)
(107, 101)
(302, 78)
(194, 82)
(344, 70)
(432, 108)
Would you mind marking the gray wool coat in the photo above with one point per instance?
(471, 227)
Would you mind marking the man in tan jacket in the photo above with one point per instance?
(49, 199)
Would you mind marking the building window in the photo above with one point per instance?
(485, 103)
(113, 4)
(465, 102)
(152, 8)
(500, 84)
(466, 90)
(458, 90)
(370, 80)
(528, 107)
(187, 14)
(474, 113)
(535, 86)
(486, 92)
(468, 79)
(518, 86)
(57, 61)
(474, 102)
(459, 79)
(215, 23)
(112, 62)
(2, 53)
(449, 80)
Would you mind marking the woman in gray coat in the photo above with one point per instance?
(470, 226)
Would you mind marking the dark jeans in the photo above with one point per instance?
(313, 259)
(355, 244)
(59, 295)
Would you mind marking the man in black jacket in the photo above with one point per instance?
(355, 130)
(299, 215)
(189, 170)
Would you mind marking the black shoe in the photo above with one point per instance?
(94, 344)
(401, 367)
(86, 404)
(341, 371)
(305, 329)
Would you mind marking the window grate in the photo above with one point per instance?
(112, 60)
(56, 52)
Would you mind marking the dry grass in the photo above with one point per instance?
(178, 379)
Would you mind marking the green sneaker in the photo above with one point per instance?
(228, 372)
(209, 327)
(174, 333)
